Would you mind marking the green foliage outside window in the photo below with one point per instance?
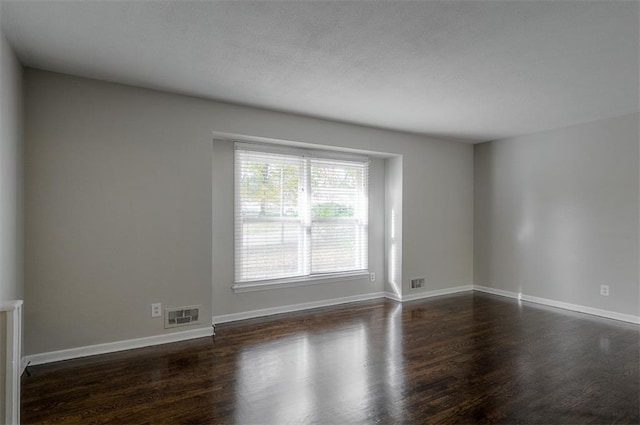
(331, 209)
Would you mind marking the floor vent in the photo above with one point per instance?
(181, 316)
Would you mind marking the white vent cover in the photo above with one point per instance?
(181, 316)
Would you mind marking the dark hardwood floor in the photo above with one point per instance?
(467, 358)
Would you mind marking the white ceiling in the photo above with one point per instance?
(467, 70)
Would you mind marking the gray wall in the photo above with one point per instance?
(11, 174)
(556, 214)
(393, 225)
(120, 199)
(11, 189)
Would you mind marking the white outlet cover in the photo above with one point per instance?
(156, 310)
(604, 290)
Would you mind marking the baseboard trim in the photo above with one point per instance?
(393, 296)
(252, 314)
(224, 318)
(559, 304)
(110, 347)
(436, 293)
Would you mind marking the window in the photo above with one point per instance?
(299, 214)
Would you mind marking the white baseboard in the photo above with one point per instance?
(393, 296)
(111, 347)
(335, 301)
(559, 304)
(435, 293)
(499, 292)
(224, 318)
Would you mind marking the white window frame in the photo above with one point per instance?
(307, 278)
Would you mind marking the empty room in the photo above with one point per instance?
(345, 212)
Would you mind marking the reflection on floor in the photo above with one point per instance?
(466, 358)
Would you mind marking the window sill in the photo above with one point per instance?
(264, 285)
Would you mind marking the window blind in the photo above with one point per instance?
(299, 214)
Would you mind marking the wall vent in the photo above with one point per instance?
(417, 283)
(181, 316)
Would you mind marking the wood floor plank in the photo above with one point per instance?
(464, 358)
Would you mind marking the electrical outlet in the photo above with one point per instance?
(156, 310)
(372, 277)
(604, 290)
